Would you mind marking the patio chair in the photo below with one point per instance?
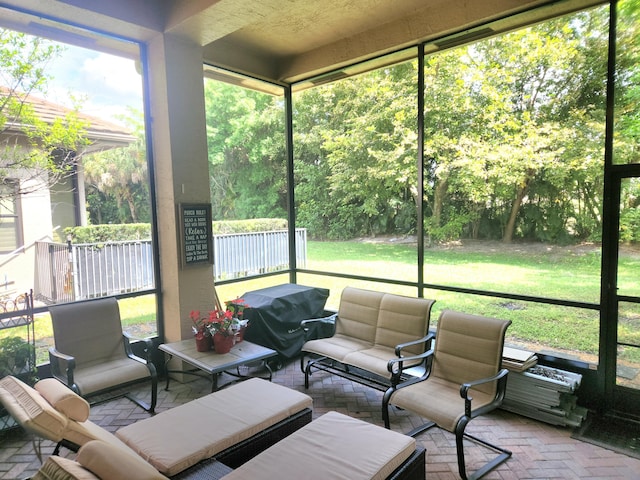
(463, 380)
(92, 354)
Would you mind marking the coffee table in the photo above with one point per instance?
(213, 364)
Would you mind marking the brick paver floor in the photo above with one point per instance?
(540, 451)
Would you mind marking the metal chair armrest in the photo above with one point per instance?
(57, 359)
(500, 377)
(425, 339)
(395, 366)
(148, 345)
(331, 319)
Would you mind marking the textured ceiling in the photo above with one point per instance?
(283, 41)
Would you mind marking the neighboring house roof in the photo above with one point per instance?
(102, 134)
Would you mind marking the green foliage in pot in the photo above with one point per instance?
(15, 355)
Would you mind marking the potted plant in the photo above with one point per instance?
(16, 358)
(222, 330)
(240, 324)
(201, 330)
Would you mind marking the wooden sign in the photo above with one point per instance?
(196, 234)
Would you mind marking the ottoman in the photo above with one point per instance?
(337, 446)
(232, 424)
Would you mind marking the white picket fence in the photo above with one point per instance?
(244, 254)
(74, 272)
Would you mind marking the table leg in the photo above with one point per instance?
(214, 382)
(268, 367)
(166, 370)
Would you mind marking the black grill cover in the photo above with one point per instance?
(275, 314)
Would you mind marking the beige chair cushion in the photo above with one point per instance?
(336, 347)
(109, 462)
(83, 432)
(31, 410)
(333, 446)
(461, 356)
(358, 314)
(178, 438)
(374, 360)
(438, 400)
(77, 325)
(91, 332)
(101, 375)
(467, 348)
(355, 325)
(34, 413)
(402, 319)
(63, 399)
(60, 468)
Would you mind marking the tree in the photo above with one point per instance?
(356, 154)
(246, 144)
(119, 177)
(514, 140)
(36, 152)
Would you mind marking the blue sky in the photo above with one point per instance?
(107, 84)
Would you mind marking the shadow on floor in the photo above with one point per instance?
(613, 433)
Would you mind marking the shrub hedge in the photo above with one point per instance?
(142, 231)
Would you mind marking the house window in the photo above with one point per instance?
(10, 227)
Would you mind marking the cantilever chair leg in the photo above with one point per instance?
(151, 408)
(503, 454)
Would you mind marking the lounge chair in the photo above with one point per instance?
(333, 446)
(232, 424)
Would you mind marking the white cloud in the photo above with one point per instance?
(116, 74)
(105, 84)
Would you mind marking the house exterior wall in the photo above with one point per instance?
(17, 269)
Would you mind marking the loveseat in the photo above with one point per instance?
(371, 328)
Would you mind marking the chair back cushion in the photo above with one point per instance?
(90, 331)
(63, 399)
(358, 313)
(31, 410)
(402, 319)
(468, 347)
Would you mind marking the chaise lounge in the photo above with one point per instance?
(233, 424)
(333, 446)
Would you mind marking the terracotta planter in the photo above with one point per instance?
(222, 344)
(203, 342)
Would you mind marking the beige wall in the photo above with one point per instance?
(182, 174)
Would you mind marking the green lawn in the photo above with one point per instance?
(568, 273)
(551, 272)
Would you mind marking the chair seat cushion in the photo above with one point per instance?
(95, 377)
(438, 400)
(333, 446)
(176, 439)
(336, 347)
(374, 360)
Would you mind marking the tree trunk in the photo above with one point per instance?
(439, 193)
(515, 208)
